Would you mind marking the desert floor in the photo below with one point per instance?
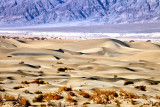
(92, 73)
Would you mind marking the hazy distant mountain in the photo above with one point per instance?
(22, 12)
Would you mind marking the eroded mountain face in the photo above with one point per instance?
(105, 11)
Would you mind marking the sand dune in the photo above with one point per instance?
(144, 45)
(85, 65)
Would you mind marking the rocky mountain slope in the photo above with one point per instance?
(22, 12)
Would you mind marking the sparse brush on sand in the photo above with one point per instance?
(36, 81)
(141, 87)
(2, 89)
(64, 88)
(38, 92)
(100, 72)
(84, 94)
(47, 97)
(128, 82)
(18, 87)
(20, 101)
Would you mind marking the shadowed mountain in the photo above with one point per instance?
(92, 11)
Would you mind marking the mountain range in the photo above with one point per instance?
(33, 12)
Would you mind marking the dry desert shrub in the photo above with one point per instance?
(115, 76)
(37, 81)
(141, 87)
(103, 96)
(61, 89)
(71, 94)
(26, 91)
(9, 98)
(20, 99)
(84, 94)
(43, 105)
(128, 82)
(38, 92)
(153, 83)
(18, 87)
(63, 69)
(24, 101)
(41, 72)
(22, 62)
(51, 96)
(70, 100)
(158, 97)
(60, 63)
(38, 98)
(25, 82)
(2, 89)
(127, 95)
